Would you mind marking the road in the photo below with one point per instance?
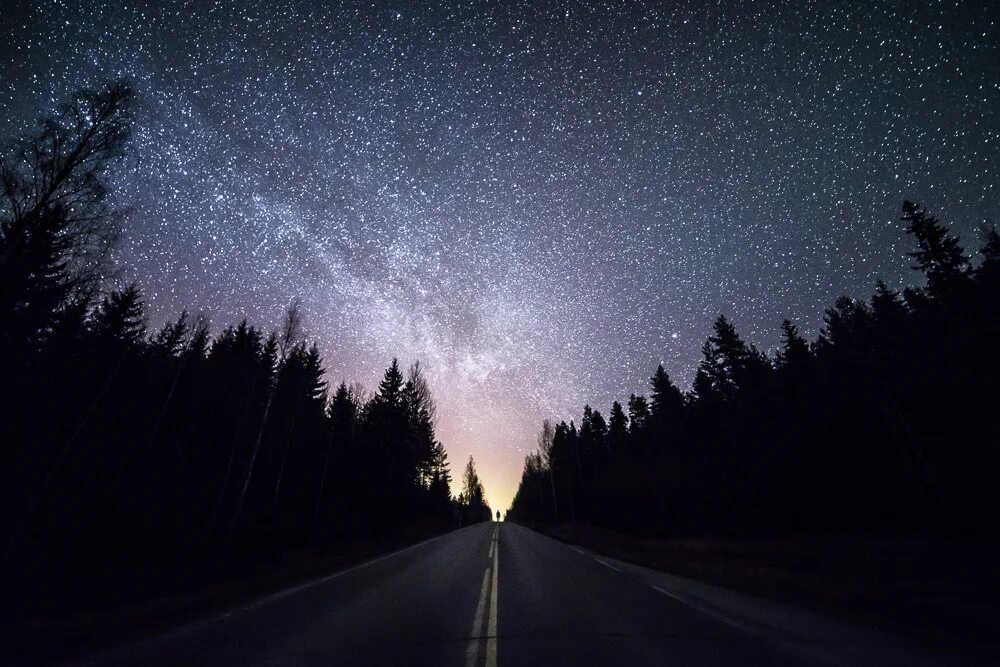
(502, 594)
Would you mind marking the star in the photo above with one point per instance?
(524, 197)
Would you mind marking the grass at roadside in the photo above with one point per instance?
(932, 590)
(43, 636)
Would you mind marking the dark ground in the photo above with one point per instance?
(552, 604)
(84, 615)
(939, 590)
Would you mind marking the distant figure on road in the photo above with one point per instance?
(498, 515)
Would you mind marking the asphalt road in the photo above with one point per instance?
(502, 594)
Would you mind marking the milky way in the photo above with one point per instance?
(540, 201)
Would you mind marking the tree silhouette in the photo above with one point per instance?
(119, 321)
(175, 458)
(172, 459)
(473, 496)
(938, 255)
(617, 427)
(860, 430)
(55, 226)
(795, 353)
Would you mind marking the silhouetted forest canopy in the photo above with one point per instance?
(885, 424)
(134, 449)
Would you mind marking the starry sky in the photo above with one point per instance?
(538, 200)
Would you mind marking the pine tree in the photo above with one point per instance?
(439, 486)
(419, 407)
(617, 427)
(440, 471)
(638, 414)
(118, 325)
(795, 352)
(272, 356)
(171, 342)
(171, 339)
(34, 278)
(473, 494)
(938, 255)
(390, 390)
(667, 401)
(198, 340)
(238, 359)
(599, 427)
(343, 412)
(844, 325)
(340, 452)
(305, 400)
(988, 281)
(725, 357)
(119, 320)
(702, 387)
(887, 307)
(66, 339)
(988, 272)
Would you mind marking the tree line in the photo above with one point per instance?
(886, 423)
(125, 448)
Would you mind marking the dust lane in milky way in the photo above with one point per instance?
(540, 201)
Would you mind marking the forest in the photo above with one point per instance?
(134, 451)
(883, 425)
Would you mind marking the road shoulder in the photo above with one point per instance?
(756, 609)
(41, 639)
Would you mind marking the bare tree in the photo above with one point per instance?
(291, 328)
(62, 166)
(56, 228)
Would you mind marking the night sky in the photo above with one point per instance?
(539, 201)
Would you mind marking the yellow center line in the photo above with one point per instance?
(491, 642)
(489, 588)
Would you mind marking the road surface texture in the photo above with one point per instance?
(494, 594)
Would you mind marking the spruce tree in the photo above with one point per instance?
(666, 400)
(795, 351)
(724, 358)
(939, 255)
(171, 339)
(34, 278)
(390, 390)
(617, 427)
(638, 414)
(887, 307)
(119, 320)
(988, 272)
(473, 495)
